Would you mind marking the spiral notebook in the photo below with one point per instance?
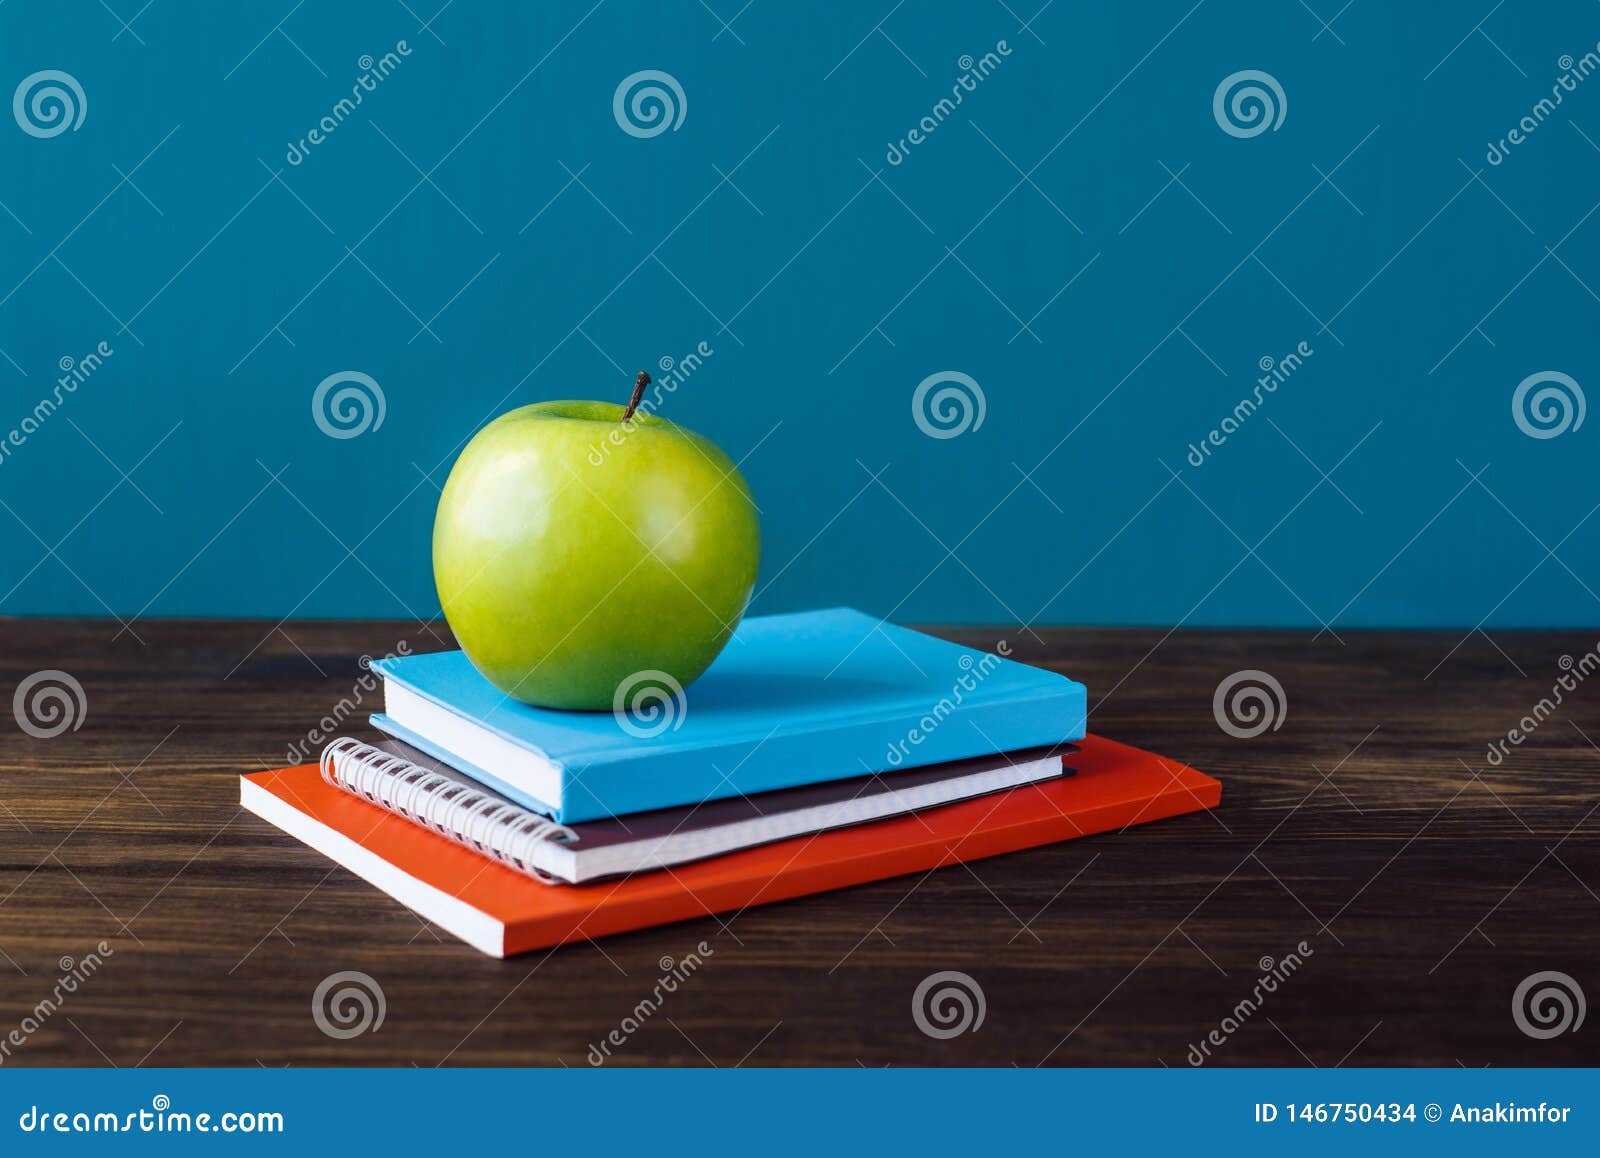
(792, 699)
(503, 912)
(435, 796)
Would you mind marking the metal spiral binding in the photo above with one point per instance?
(469, 817)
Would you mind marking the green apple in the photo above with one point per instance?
(579, 543)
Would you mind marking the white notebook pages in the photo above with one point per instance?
(411, 784)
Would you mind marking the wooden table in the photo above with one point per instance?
(1424, 883)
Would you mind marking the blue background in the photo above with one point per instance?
(188, 477)
(947, 1111)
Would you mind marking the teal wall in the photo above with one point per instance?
(1081, 237)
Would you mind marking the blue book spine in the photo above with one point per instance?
(616, 783)
(609, 787)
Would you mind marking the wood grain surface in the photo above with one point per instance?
(1425, 883)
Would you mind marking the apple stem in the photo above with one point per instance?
(638, 392)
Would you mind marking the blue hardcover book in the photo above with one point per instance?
(793, 699)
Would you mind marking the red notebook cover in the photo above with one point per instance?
(502, 912)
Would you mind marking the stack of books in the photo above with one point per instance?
(820, 750)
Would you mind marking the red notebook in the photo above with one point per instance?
(503, 912)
